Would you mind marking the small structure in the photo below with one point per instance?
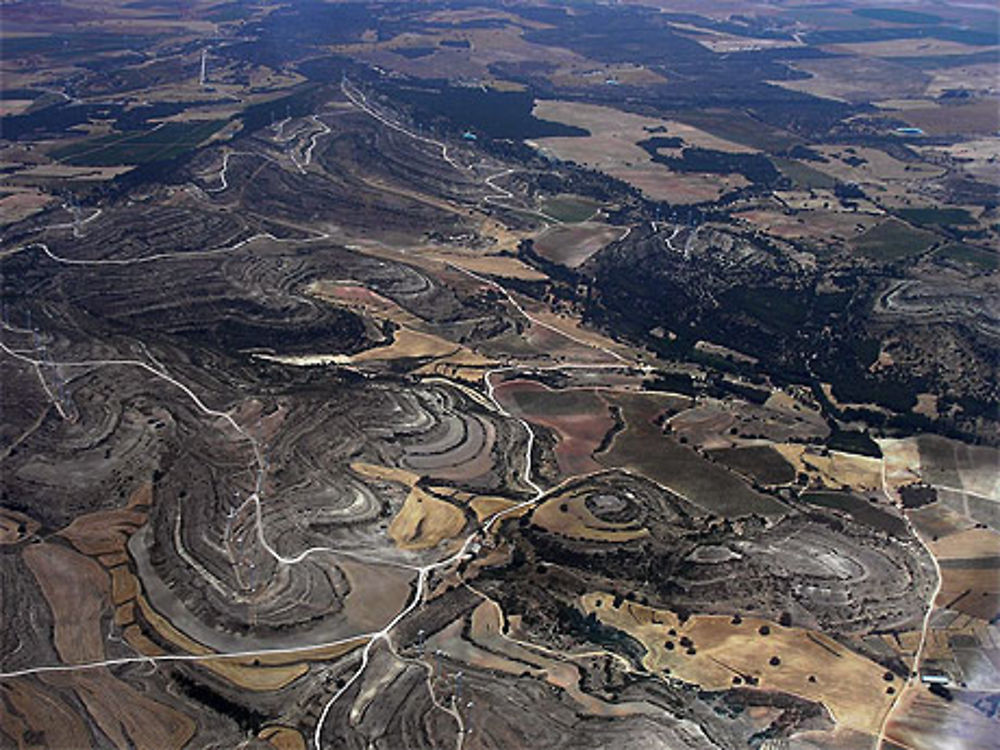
(934, 677)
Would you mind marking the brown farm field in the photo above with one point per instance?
(971, 587)
(977, 118)
(925, 722)
(858, 79)
(928, 47)
(820, 226)
(572, 245)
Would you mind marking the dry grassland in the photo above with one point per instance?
(385, 473)
(568, 515)
(822, 225)
(927, 405)
(611, 147)
(977, 118)
(425, 521)
(14, 106)
(486, 506)
(723, 351)
(905, 48)
(722, 43)
(483, 506)
(979, 157)
(464, 365)
(902, 461)
(485, 630)
(22, 203)
(820, 200)
(879, 168)
(486, 47)
(353, 296)
(857, 79)
(849, 685)
(458, 17)
(598, 74)
(835, 469)
(409, 342)
(492, 265)
(981, 78)
(283, 738)
(571, 332)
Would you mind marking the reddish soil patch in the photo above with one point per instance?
(77, 590)
(579, 417)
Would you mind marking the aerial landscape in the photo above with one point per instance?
(499, 374)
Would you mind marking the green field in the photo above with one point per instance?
(803, 175)
(893, 240)
(62, 46)
(941, 216)
(569, 208)
(760, 462)
(643, 448)
(897, 15)
(159, 144)
(827, 17)
(740, 128)
(860, 510)
(973, 256)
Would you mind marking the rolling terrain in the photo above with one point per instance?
(487, 375)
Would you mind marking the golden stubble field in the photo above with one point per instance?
(611, 147)
(725, 651)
